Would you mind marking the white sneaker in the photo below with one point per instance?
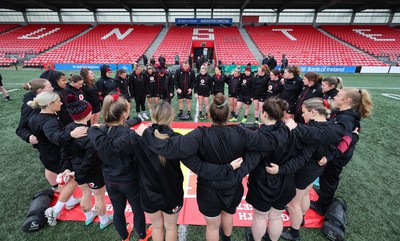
(51, 216)
(141, 117)
(71, 206)
(145, 116)
(109, 221)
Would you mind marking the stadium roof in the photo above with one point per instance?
(278, 5)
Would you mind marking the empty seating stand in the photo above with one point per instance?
(376, 40)
(228, 44)
(178, 40)
(7, 27)
(111, 43)
(36, 38)
(305, 45)
(231, 47)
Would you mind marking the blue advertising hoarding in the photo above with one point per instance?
(79, 66)
(203, 21)
(326, 69)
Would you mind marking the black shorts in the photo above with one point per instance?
(212, 201)
(184, 96)
(277, 199)
(1, 82)
(170, 211)
(94, 181)
(245, 99)
(260, 98)
(204, 93)
(152, 93)
(307, 174)
(53, 166)
(96, 108)
(233, 95)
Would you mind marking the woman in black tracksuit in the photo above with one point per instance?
(47, 128)
(219, 144)
(259, 84)
(92, 94)
(274, 87)
(161, 179)
(202, 88)
(120, 168)
(245, 95)
(137, 88)
(315, 113)
(330, 87)
(219, 80)
(81, 162)
(59, 83)
(269, 193)
(311, 89)
(234, 82)
(35, 87)
(166, 85)
(152, 85)
(122, 83)
(292, 86)
(74, 87)
(105, 84)
(353, 104)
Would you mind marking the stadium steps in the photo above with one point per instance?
(252, 46)
(156, 43)
(60, 44)
(345, 43)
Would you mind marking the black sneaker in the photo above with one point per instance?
(286, 234)
(189, 117)
(317, 207)
(8, 98)
(201, 117)
(180, 115)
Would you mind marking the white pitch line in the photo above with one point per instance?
(13, 90)
(378, 88)
(392, 96)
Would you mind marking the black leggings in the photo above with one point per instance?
(140, 101)
(329, 180)
(118, 194)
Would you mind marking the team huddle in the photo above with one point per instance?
(308, 128)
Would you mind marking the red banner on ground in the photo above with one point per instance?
(189, 213)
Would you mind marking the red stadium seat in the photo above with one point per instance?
(305, 45)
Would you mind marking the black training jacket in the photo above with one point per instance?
(166, 85)
(151, 82)
(246, 85)
(119, 166)
(330, 94)
(218, 83)
(48, 130)
(274, 88)
(27, 113)
(292, 89)
(74, 91)
(184, 80)
(260, 84)
(137, 85)
(105, 84)
(79, 155)
(234, 84)
(308, 92)
(203, 84)
(123, 86)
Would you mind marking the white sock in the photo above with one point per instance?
(89, 214)
(103, 219)
(71, 201)
(59, 205)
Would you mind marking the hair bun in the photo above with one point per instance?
(219, 99)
